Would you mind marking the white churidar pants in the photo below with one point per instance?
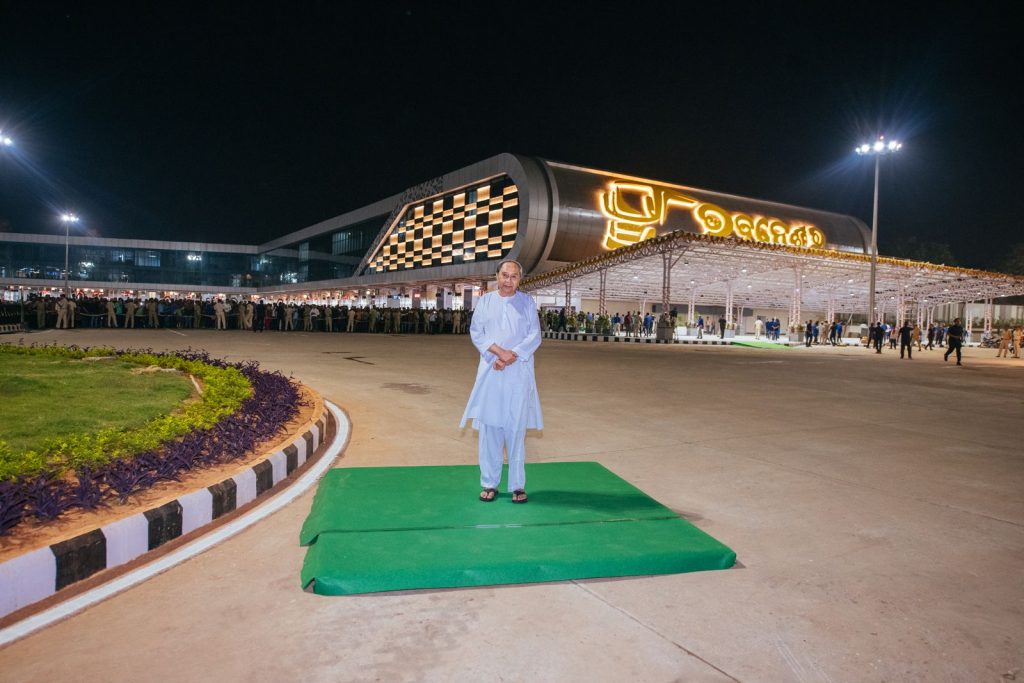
(493, 440)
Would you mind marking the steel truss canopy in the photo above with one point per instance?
(680, 267)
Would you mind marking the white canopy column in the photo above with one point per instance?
(794, 306)
(666, 280)
(901, 306)
(728, 302)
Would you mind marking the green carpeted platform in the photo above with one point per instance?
(377, 529)
(761, 345)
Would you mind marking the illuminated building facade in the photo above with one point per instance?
(617, 236)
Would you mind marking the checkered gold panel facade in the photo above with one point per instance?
(474, 223)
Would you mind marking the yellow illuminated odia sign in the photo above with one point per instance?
(634, 209)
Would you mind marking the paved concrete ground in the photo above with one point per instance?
(875, 506)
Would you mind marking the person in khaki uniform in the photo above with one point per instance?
(1018, 336)
(111, 314)
(62, 312)
(289, 321)
(40, 307)
(218, 310)
(151, 319)
(1004, 343)
(351, 326)
(129, 314)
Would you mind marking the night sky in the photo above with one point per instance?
(241, 123)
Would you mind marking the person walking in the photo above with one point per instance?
(504, 402)
(878, 337)
(954, 338)
(906, 337)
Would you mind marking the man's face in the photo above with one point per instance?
(508, 279)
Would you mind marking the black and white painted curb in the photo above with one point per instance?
(582, 336)
(40, 573)
(11, 328)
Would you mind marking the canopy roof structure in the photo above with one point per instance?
(717, 271)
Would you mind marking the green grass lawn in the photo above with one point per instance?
(43, 396)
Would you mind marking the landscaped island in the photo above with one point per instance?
(110, 433)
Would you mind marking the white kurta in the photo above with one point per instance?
(505, 398)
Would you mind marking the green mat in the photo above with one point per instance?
(761, 344)
(377, 529)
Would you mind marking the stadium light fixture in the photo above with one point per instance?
(878, 149)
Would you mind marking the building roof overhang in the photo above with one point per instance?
(762, 275)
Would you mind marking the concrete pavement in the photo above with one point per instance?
(874, 504)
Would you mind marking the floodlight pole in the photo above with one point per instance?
(878, 148)
(68, 239)
(874, 246)
(67, 219)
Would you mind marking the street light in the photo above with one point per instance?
(67, 219)
(5, 141)
(878, 149)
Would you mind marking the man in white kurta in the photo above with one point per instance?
(504, 402)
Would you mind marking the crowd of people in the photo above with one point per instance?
(632, 324)
(258, 316)
(816, 332)
(1008, 341)
(42, 312)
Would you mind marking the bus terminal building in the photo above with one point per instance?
(594, 240)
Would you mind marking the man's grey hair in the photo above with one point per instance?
(510, 260)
